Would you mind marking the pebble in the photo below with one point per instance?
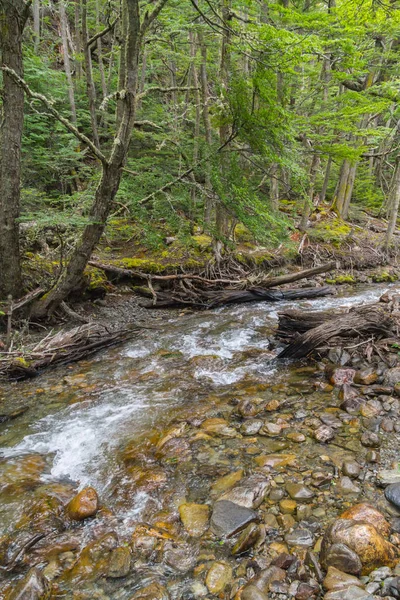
(33, 586)
(338, 580)
(298, 491)
(324, 434)
(251, 427)
(351, 469)
(388, 476)
(300, 537)
(370, 440)
(195, 518)
(218, 577)
(392, 494)
(85, 504)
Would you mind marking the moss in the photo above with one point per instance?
(341, 279)
(332, 231)
(96, 278)
(384, 277)
(202, 241)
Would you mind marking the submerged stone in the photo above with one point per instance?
(195, 518)
(229, 518)
(392, 494)
(34, 586)
(218, 577)
(250, 492)
(120, 562)
(83, 505)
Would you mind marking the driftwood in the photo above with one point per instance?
(198, 291)
(60, 348)
(307, 332)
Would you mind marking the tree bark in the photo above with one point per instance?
(394, 202)
(12, 21)
(209, 205)
(308, 203)
(36, 24)
(91, 90)
(67, 64)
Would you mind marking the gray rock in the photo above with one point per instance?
(351, 593)
(346, 486)
(324, 434)
(343, 558)
(300, 537)
(251, 427)
(247, 539)
(298, 491)
(392, 494)
(34, 586)
(250, 492)
(370, 440)
(392, 376)
(351, 469)
(258, 588)
(229, 518)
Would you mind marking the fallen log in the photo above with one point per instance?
(214, 299)
(308, 332)
(61, 348)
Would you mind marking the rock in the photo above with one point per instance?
(351, 469)
(271, 429)
(392, 376)
(251, 427)
(179, 556)
(154, 591)
(227, 481)
(324, 434)
(342, 376)
(346, 486)
(331, 420)
(380, 574)
(351, 593)
(344, 559)
(363, 539)
(300, 537)
(306, 591)
(247, 539)
(250, 407)
(218, 577)
(249, 493)
(271, 521)
(296, 437)
(366, 513)
(220, 427)
(258, 587)
(388, 476)
(83, 505)
(275, 460)
(288, 506)
(370, 440)
(366, 376)
(338, 580)
(351, 405)
(34, 586)
(371, 409)
(120, 562)
(195, 518)
(298, 491)
(229, 518)
(284, 560)
(392, 494)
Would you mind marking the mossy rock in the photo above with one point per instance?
(384, 277)
(341, 279)
(203, 241)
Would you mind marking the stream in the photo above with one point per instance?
(143, 424)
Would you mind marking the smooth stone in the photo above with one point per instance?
(271, 521)
(34, 586)
(351, 469)
(250, 492)
(392, 494)
(195, 518)
(250, 407)
(227, 481)
(154, 591)
(275, 460)
(120, 562)
(251, 427)
(229, 518)
(380, 574)
(296, 437)
(351, 593)
(366, 513)
(300, 537)
(338, 580)
(370, 409)
(271, 429)
(218, 577)
(298, 491)
(288, 506)
(331, 420)
(218, 427)
(343, 558)
(179, 556)
(369, 439)
(258, 587)
(372, 549)
(83, 505)
(366, 376)
(346, 486)
(247, 539)
(324, 434)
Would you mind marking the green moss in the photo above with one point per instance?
(202, 241)
(341, 279)
(332, 231)
(96, 278)
(384, 277)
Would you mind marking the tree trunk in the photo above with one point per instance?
(326, 179)
(110, 177)
(78, 40)
(309, 199)
(91, 90)
(349, 190)
(12, 22)
(394, 201)
(209, 205)
(100, 55)
(36, 24)
(274, 187)
(195, 77)
(67, 64)
(340, 194)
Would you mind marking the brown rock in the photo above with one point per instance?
(324, 434)
(195, 518)
(34, 586)
(83, 505)
(342, 376)
(368, 514)
(366, 376)
(338, 580)
(218, 577)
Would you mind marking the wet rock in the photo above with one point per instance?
(258, 587)
(251, 427)
(227, 481)
(351, 593)
(351, 405)
(284, 560)
(366, 513)
(288, 506)
(34, 586)
(392, 376)
(21, 473)
(120, 562)
(338, 580)
(351, 469)
(388, 476)
(371, 409)
(300, 537)
(324, 434)
(296, 437)
(271, 429)
(331, 420)
(370, 546)
(218, 577)
(174, 448)
(179, 556)
(216, 426)
(387, 425)
(312, 562)
(343, 558)
(93, 561)
(346, 486)
(298, 491)
(392, 494)
(154, 591)
(380, 574)
(83, 505)
(366, 376)
(247, 539)
(195, 518)
(250, 492)
(229, 518)
(342, 376)
(275, 460)
(271, 521)
(250, 407)
(370, 439)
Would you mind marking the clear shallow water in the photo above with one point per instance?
(132, 388)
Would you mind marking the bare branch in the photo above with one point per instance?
(166, 90)
(100, 34)
(49, 105)
(150, 17)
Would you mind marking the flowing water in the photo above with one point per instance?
(98, 423)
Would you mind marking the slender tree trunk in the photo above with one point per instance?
(326, 179)
(394, 202)
(78, 40)
(209, 204)
(142, 81)
(122, 59)
(195, 77)
(36, 24)
(67, 64)
(274, 186)
(100, 54)
(349, 190)
(308, 203)
(340, 194)
(12, 22)
(91, 90)
(110, 177)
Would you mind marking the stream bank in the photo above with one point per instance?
(218, 470)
